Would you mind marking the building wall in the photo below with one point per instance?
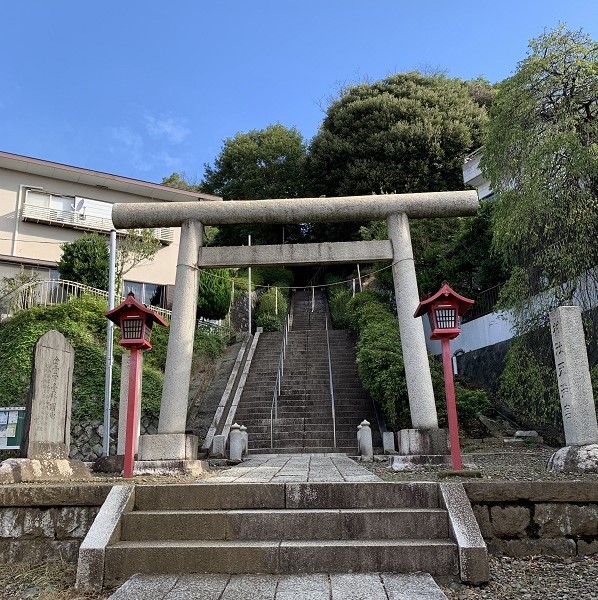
(37, 241)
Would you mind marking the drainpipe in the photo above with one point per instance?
(20, 201)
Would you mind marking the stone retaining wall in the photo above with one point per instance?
(86, 437)
(525, 519)
(46, 523)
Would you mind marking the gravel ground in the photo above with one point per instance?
(534, 578)
(494, 460)
(530, 578)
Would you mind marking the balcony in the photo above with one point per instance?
(76, 220)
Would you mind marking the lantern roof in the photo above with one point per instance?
(131, 303)
(443, 294)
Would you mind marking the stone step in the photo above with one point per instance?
(123, 559)
(298, 524)
(234, 496)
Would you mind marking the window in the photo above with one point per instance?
(151, 294)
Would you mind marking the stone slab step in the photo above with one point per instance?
(234, 496)
(317, 586)
(297, 524)
(123, 559)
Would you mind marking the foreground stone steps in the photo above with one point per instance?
(283, 528)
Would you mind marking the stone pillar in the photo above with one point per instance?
(245, 439)
(366, 447)
(235, 440)
(573, 376)
(171, 442)
(413, 341)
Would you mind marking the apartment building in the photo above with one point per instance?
(44, 204)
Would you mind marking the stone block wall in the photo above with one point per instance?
(86, 437)
(525, 519)
(40, 524)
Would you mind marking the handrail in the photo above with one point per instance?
(278, 380)
(331, 386)
(45, 292)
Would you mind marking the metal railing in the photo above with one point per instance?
(279, 374)
(331, 386)
(75, 220)
(53, 291)
(484, 304)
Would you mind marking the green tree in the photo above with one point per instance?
(213, 300)
(86, 261)
(541, 157)
(406, 133)
(258, 165)
(180, 182)
(132, 249)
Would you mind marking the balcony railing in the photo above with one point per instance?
(75, 220)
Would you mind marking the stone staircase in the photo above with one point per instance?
(284, 528)
(305, 421)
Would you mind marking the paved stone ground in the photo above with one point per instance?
(291, 468)
(320, 586)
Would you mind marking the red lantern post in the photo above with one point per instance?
(444, 309)
(135, 322)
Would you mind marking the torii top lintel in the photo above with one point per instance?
(296, 210)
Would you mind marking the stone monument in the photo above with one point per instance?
(575, 391)
(46, 442)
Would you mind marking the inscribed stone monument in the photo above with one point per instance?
(573, 375)
(48, 428)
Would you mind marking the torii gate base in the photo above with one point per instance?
(171, 442)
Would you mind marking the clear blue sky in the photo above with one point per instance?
(143, 88)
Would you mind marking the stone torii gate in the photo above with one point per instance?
(171, 442)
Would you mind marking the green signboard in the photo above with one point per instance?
(12, 427)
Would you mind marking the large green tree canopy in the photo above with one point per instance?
(406, 133)
(541, 157)
(258, 165)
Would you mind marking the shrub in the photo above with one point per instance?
(528, 385)
(266, 316)
(213, 299)
(82, 322)
(381, 367)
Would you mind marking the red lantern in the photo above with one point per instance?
(135, 322)
(444, 310)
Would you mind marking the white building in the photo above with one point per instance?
(44, 204)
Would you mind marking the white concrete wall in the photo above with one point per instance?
(479, 333)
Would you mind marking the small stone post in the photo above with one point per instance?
(366, 446)
(413, 341)
(573, 376)
(245, 440)
(235, 440)
(359, 428)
